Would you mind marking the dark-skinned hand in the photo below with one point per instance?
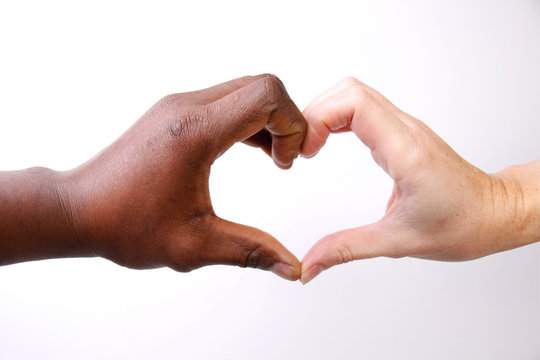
(144, 201)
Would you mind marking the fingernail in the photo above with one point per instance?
(309, 156)
(285, 271)
(309, 275)
(284, 166)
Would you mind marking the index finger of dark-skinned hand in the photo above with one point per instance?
(216, 92)
(261, 104)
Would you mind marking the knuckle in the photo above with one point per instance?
(253, 258)
(360, 94)
(272, 77)
(272, 89)
(179, 127)
(343, 254)
(350, 81)
(189, 121)
(170, 99)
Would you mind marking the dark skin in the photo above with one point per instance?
(144, 201)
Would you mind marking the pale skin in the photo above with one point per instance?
(441, 206)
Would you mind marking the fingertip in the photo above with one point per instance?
(283, 166)
(309, 155)
(270, 254)
(313, 142)
(285, 271)
(311, 273)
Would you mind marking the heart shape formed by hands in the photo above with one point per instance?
(144, 201)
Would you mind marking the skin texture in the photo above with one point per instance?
(441, 207)
(144, 201)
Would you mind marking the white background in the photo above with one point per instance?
(74, 76)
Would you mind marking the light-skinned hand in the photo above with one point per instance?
(441, 207)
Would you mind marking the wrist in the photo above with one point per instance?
(36, 221)
(518, 198)
(70, 205)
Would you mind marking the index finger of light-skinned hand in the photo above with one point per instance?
(319, 128)
(262, 104)
(317, 134)
(376, 125)
(325, 117)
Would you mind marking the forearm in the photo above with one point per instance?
(521, 194)
(35, 221)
